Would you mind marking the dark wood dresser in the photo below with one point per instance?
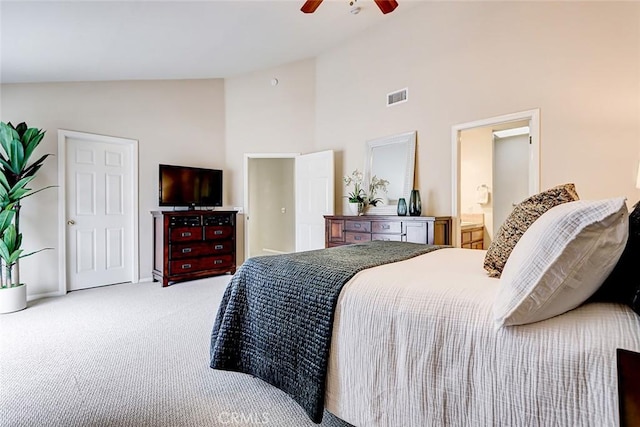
(193, 244)
(344, 230)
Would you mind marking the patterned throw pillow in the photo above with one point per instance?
(521, 218)
(620, 286)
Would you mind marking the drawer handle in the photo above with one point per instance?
(386, 226)
(186, 250)
(218, 247)
(217, 261)
(357, 225)
(217, 232)
(186, 234)
(356, 237)
(185, 266)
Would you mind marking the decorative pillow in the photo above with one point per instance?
(561, 260)
(521, 218)
(621, 285)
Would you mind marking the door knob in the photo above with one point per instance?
(71, 222)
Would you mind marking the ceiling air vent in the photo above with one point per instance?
(397, 97)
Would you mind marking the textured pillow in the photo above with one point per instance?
(561, 260)
(521, 218)
(622, 285)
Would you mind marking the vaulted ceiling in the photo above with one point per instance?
(56, 41)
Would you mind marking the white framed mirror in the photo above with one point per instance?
(391, 158)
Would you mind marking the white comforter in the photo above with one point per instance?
(414, 344)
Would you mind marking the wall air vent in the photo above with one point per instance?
(397, 97)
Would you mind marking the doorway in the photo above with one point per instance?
(270, 206)
(489, 168)
(98, 208)
(285, 198)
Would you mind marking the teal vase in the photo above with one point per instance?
(415, 204)
(402, 207)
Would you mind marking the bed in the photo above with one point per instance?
(418, 340)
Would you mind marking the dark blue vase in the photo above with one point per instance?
(402, 207)
(415, 205)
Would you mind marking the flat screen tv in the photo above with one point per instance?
(189, 186)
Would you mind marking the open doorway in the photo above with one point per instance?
(286, 196)
(493, 170)
(270, 204)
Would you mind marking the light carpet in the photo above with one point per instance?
(130, 355)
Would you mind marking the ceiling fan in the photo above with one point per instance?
(385, 6)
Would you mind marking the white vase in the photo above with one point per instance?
(13, 299)
(354, 208)
(357, 208)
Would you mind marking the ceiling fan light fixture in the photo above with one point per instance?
(385, 6)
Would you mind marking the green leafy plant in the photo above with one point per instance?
(376, 184)
(357, 195)
(18, 144)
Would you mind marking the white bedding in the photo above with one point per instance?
(414, 344)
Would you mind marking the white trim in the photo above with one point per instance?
(245, 188)
(63, 135)
(534, 162)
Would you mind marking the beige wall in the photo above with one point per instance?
(175, 122)
(262, 118)
(578, 62)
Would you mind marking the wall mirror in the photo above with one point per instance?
(391, 158)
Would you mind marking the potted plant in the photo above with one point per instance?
(18, 144)
(357, 197)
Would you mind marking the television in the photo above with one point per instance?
(189, 186)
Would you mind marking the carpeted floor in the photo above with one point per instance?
(129, 355)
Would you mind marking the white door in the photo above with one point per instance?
(314, 179)
(99, 187)
(510, 175)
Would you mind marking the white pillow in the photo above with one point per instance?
(561, 260)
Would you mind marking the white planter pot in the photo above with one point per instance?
(357, 208)
(13, 299)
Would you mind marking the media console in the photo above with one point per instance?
(193, 244)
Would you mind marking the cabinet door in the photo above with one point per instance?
(416, 232)
(335, 231)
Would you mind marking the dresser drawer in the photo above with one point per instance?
(353, 225)
(212, 232)
(351, 237)
(221, 247)
(386, 227)
(189, 265)
(184, 234)
(387, 237)
(188, 250)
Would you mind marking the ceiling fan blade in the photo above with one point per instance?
(310, 6)
(387, 6)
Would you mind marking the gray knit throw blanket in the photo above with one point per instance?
(276, 316)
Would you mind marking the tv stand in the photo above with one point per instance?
(193, 244)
